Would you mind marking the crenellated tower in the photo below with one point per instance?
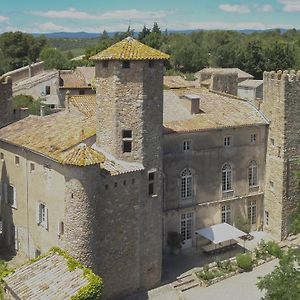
(281, 105)
(6, 105)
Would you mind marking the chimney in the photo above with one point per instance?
(192, 103)
(42, 110)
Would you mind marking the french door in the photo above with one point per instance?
(186, 229)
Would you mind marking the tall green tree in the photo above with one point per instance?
(54, 59)
(284, 282)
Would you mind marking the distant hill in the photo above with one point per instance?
(89, 35)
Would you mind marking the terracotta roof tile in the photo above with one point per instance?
(130, 49)
(82, 156)
(47, 278)
(86, 104)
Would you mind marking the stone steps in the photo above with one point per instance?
(185, 282)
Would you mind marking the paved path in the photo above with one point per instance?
(242, 286)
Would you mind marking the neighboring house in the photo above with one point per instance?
(52, 85)
(177, 82)
(207, 73)
(251, 90)
(55, 276)
(111, 175)
(77, 82)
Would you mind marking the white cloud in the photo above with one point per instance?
(235, 8)
(265, 8)
(225, 26)
(4, 19)
(290, 5)
(75, 14)
(48, 27)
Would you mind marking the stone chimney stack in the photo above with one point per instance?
(192, 103)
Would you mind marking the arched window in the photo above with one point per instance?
(252, 173)
(226, 178)
(186, 184)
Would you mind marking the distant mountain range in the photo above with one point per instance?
(89, 35)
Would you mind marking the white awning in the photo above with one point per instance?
(220, 233)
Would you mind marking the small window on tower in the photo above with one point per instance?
(126, 64)
(127, 141)
(105, 64)
(151, 63)
(151, 183)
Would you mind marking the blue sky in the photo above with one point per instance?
(116, 15)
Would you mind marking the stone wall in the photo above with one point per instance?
(6, 105)
(130, 99)
(225, 83)
(282, 107)
(26, 72)
(205, 159)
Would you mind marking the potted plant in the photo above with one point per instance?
(174, 242)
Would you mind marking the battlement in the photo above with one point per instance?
(286, 76)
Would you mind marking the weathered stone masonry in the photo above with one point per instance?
(281, 105)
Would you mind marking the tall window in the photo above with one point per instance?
(251, 210)
(252, 174)
(127, 140)
(42, 215)
(227, 141)
(226, 214)
(226, 178)
(186, 145)
(186, 184)
(151, 183)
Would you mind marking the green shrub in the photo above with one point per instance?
(244, 261)
(274, 249)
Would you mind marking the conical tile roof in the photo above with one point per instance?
(130, 49)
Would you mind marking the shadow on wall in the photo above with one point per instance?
(8, 236)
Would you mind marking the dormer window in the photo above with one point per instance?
(125, 64)
(127, 141)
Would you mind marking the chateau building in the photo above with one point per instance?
(111, 175)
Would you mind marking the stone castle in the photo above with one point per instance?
(111, 175)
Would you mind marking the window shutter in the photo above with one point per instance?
(46, 218)
(14, 197)
(38, 213)
(58, 229)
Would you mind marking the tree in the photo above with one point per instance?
(54, 59)
(284, 282)
(145, 31)
(254, 59)
(20, 49)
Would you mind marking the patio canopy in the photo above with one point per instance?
(220, 233)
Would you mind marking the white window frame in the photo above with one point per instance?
(42, 215)
(267, 217)
(252, 174)
(253, 138)
(227, 141)
(186, 145)
(186, 184)
(252, 211)
(226, 213)
(227, 178)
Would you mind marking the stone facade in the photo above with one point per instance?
(6, 105)
(205, 158)
(282, 107)
(224, 83)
